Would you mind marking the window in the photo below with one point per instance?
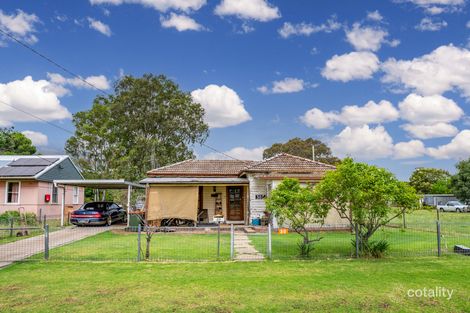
(13, 192)
(75, 195)
(55, 194)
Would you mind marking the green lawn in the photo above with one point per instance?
(122, 246)
(288, 286)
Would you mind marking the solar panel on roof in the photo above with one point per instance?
(18, 171)
(33, 162)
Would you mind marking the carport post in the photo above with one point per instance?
(62, 211)
(129, 189)
(139, 231)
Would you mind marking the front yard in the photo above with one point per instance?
(289, 286)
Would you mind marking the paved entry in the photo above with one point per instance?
(244, 250)
(22, 249)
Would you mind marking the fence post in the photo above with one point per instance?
(438, 224)
(11, 226)
(232, 241)
(357, 240)
(218, 240)
(139, 230)
(44, 219)
(269, 241)
(39, 218)
(46, 242)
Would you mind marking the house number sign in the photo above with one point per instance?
(260, 196)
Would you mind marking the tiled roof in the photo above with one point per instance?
(278, 166)
(286, 163)
(200, 168)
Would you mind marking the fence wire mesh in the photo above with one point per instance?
(187, 244)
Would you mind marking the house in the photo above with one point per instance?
(200, 189)
(27, 182)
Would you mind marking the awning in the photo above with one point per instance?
(98, 183)
(195, 180)
(172, 202)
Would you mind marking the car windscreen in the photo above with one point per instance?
(96, 206)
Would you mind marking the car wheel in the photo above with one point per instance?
(441, 209)
(458, 211)
(109, 221)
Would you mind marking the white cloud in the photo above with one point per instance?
(223, 107)
(458, 147)
(374, 16)
(352, 115)
(38, 139)
(318, 119)
(363, 143)
(21, 25)
(366, 38)
(180, 22)
(259, 10)
(159, 5)
(30, 96)
(429, 24)
(307, 29)
(409, 150)
(444, 69)
(240, 153)
(437, 6)
(429, 110)
(58, 83)
(354, 65)
(437, 130)
(99, 26)
(287, 85)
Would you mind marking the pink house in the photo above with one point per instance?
(27, 182)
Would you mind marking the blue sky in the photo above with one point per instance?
(387, 82)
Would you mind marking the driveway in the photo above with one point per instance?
(22, 249)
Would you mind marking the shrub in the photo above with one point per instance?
(373, 248)
(305, 249)
(7, 215)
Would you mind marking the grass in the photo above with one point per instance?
(5, 234)
(289, 286)
(122, 246)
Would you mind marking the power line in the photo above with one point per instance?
(63, 68)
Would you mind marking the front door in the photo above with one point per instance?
(235, 207)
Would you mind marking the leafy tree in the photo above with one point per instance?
(460, 182)
(303, 148)
(148, 122)
(442, 186)
(367, 196)
(13, 142)
(423, 179)
(296, 205)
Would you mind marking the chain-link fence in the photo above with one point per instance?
(227, 242)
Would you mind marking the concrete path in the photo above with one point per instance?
(22, 249)
(244, 250)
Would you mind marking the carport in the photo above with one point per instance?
(98, 184)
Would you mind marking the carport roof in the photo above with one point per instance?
(99, 183)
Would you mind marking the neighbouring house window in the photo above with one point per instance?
(13, 192)
(75, 195)
(55, 194)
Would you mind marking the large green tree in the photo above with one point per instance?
(429, 180)
(148, 122)
(367, 196)
(460, 182)
(13, 142)
(303, 148)
(296, 205)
